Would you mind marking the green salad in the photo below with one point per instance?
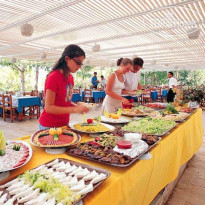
(150, 126)
(48, 184)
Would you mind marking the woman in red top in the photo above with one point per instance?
(59, 88)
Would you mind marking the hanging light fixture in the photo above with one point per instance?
(43, 55)
(13, 60)
(193, 33)
(27, 30)
(166, 64)
(96, 48)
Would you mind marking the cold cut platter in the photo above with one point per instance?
(17, 154)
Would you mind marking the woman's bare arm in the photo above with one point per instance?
(109, 91)
(53, 109)
(110, 83)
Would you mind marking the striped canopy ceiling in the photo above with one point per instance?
(155, 30)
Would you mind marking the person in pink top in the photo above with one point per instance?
(59, 89)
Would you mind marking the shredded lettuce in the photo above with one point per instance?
(150, 126)
(48, 184)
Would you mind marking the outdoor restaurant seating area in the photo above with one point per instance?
(149, 95)
(16, 107)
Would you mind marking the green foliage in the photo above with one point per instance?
(192, 78)
(10, 76)
(10, 79)
(185, 77)
(84, 75)
(154, 78)
(85, 72)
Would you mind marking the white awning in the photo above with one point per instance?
(156, 30)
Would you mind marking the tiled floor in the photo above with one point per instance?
(191, 187)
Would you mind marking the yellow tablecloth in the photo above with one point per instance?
(141, 182)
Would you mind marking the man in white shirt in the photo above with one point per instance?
(132, 78)
(172, 84)
(103, 82)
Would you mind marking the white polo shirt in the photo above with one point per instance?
(103, 82)
(172, 81)
(132, 80)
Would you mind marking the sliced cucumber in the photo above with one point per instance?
(55, 137)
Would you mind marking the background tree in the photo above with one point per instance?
(83, 76)
(28, 75)
(22, 70)
(192, 78)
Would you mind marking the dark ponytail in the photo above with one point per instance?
(119, 61)
(71, 51)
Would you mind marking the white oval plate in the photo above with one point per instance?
(110, 127)
(28, 158)
(115, 121)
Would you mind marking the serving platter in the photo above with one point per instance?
(145, 124)
(55, 167)
(135, 115)
(173, 117)
(187, 110)
(132, 113)
(143, 108)
(11, 156)
(121, 120)
(47, 143)
(159, 135)
(70, 152)
(109, 128)
(157, 106)
(182, 119)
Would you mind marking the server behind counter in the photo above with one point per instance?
(172, 84)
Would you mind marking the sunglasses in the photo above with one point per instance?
(77, 62)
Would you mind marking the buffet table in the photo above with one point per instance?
(141, 182)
